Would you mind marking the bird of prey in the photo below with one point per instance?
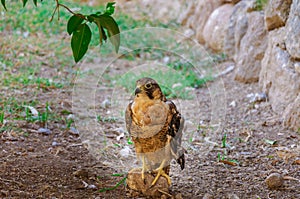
(155, 127)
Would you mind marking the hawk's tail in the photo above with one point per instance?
(181, 161)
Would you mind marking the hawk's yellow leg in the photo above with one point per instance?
(143, 168)
(160, 172)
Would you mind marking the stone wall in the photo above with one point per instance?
(264, 44)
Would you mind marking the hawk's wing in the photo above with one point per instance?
(128, 117)
(175, 131)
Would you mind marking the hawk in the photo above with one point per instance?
(155, 127)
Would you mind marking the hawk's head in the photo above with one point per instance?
(147, 87)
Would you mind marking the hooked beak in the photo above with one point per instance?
(137, 91)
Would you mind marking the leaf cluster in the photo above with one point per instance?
(78, 27)
(81, 32)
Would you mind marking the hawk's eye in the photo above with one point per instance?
(148, 85)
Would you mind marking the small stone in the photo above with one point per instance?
(74, 131)
(166, 59)
(274, 181)
(92, 186)
(54, 143)
(44, 131)
(257, 97)
(178, 196)
(125, 151)
(106, 103)
(81, 173)
(297, 67)
(176, 85)
(233, 104)
(207, 196)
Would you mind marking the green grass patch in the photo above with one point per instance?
(174, 86)
(260, 4)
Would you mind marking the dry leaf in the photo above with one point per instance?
(33, 111)
(286, 155)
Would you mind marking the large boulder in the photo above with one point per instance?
(196, 14)
(293, 30)
(278, 77)
(252, 49)
(291, 115)
(238, 24)
(187, 13)
(276, 13)
(215, 28)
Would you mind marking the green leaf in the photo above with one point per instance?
(3, 4)
(110, 8)
(271, 142)
(35, 2)
(107, 22)
(80, 41)
(24, 2)
(224, 141)
(73, 23)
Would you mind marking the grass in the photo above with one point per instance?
(261, 4)
(180, 82)
(34, 67)
(121, 182)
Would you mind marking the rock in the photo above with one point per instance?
(207, 196)
(125, 151)
(252, 49)
(297, 67)
(81, 173)
(54, 143)
(274, 181)
(215, 28)
(293, 30)
(187, 13)
(291, 115)
(257, 97)
(74, 131)
(106, 103)
(44, 131)
(233, 104)
(238, 23)
(233, 196)
(276, 13)
(136, 186)
(203, 10)
(278, 78)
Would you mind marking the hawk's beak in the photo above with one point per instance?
(137, 90)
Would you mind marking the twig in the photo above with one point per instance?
(290, 178)
(161, 191)
(249, 134)
(67, 8)
(228, 162)
(11, 181)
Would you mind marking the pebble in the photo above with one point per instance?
(74, 131)
(207, 196)
(44, 131)
(125, 151)
(257, 97)
(54, 143)
(274, 181)
(233, 104)
(106, 103)
(92, 186)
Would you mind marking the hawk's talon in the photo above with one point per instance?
(160, 172)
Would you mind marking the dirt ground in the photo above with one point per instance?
(62, 165)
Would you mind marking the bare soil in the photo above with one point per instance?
(60, 165)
